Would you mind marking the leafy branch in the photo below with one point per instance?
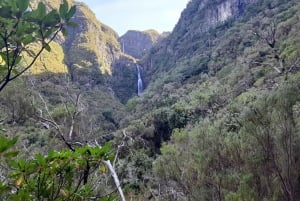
(21, 28)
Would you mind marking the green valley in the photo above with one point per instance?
(218, 119)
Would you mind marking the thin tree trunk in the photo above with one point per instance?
(116, 179)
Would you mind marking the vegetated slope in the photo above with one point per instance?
(231, 55)
(94, 58)
(91, 45)
(73, 85)
(45, 63)
(226, 98)
(92, 54)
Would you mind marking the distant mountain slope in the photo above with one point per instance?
(138, 43)
(196, 20)
(193, 74)
(91, 44)
(203, 82)
(91, 54)
(78, 74)
(87, 62)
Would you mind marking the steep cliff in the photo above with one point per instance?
(138, 43)
(199, 17)
(92, 46)
(202, 15)
(91, 54)
(124, 78)
(205, 44)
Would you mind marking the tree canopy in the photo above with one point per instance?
(23, 27)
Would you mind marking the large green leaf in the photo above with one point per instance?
(11, 154)
(71, 13)
(13, 6)
(51, 19)
(5, 12)
(63, 9)
(6, 143)
(27, 39)
(22, 5)
(47, 47)
(17, 60)
(40, 159)
(41, 10)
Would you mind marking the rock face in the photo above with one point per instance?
(201, 15)
(137, 43)
(91, 47)
(91, 54)
(198, 18)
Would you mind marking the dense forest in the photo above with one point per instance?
(218, 118)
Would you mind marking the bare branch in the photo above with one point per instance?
(50, 119)
(115, 177)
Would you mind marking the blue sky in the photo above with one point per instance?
(123, 15)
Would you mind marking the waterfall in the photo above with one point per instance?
(140, 82)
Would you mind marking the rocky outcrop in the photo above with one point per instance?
(199, 17)
(202, 15)
(91, 54)
(90, 48)
(138, 43)
(91, 45)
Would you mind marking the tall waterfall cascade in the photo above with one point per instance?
(140, 82)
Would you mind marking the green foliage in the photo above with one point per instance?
(16, 104)
(59, 175)
(130, 105)
(46, 63)
(134, 169)
(290, 49)
(217, 119)
(5, 146)
(21, 28)
(245, 191)
(248, 154)
(124, 79)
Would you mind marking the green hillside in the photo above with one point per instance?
(78, 65)
(222, 104)
(218, 119)
(92, 44)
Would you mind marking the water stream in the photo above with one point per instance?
(140, 82)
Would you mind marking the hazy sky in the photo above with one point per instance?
(123, 15)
